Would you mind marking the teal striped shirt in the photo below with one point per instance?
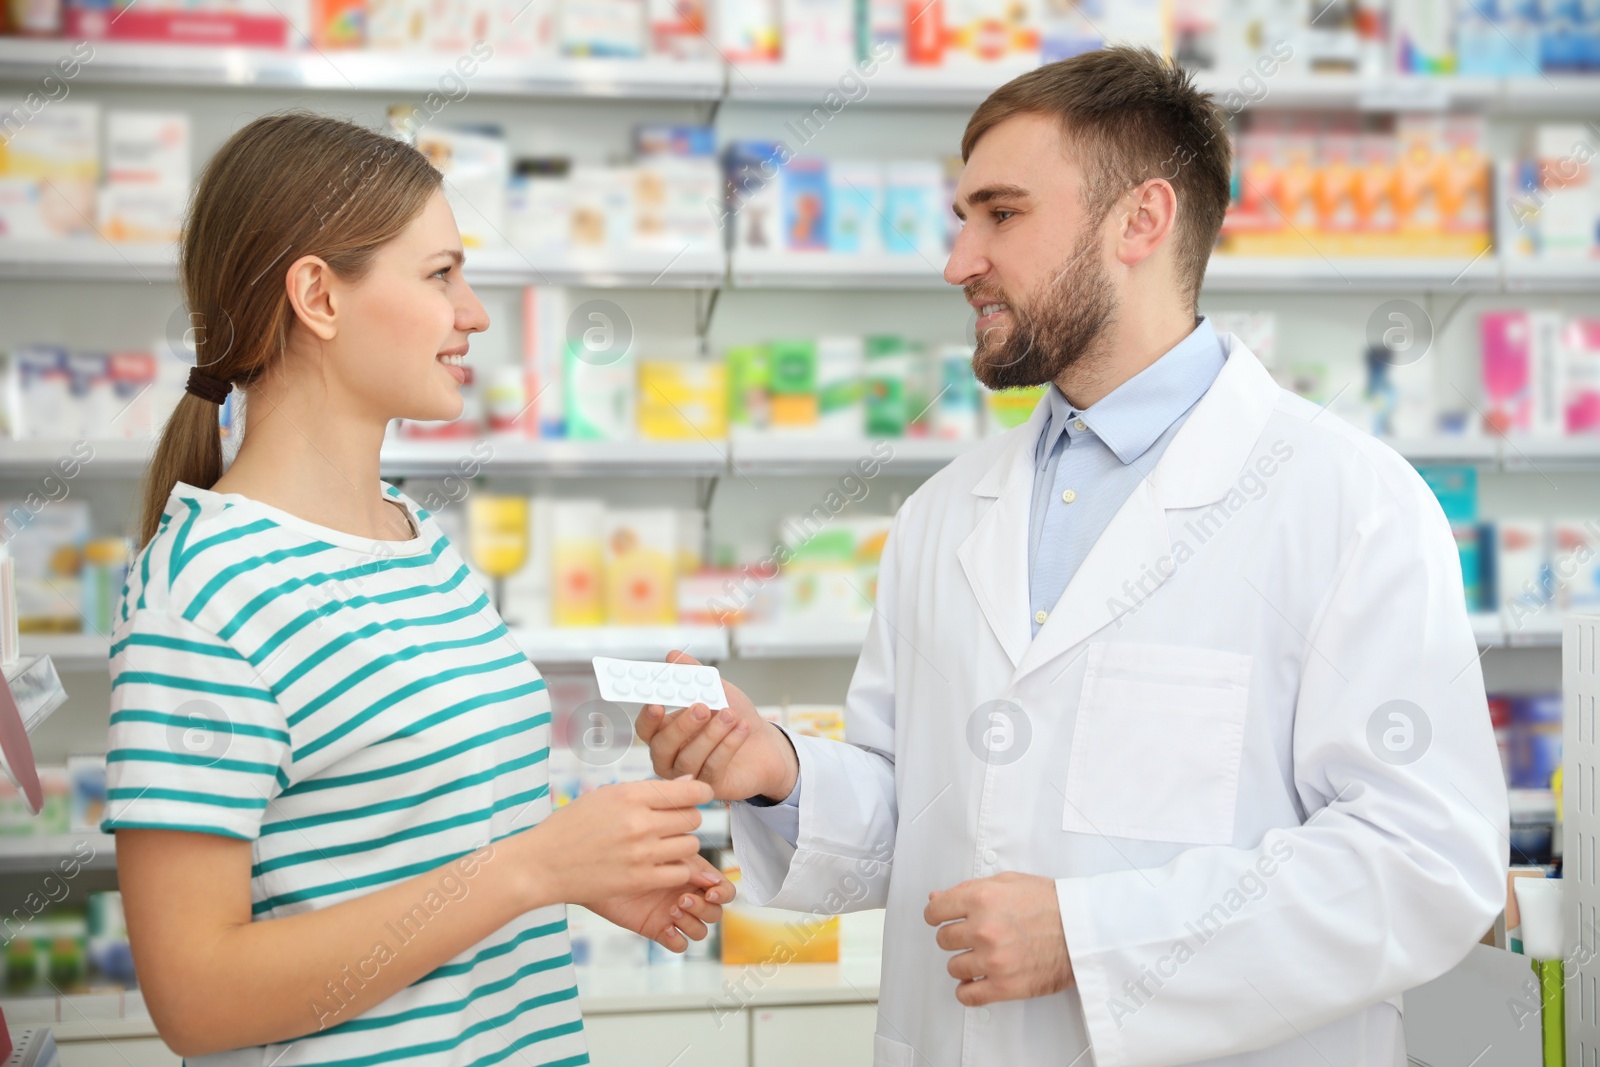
(358, 712)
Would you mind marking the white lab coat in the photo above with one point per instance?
(1242, 879)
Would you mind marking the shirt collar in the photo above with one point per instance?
(1132, 416)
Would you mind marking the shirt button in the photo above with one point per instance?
(983, 1015)
(990, 855)
(1077, 424)
(1068, 495)
(1040, 616)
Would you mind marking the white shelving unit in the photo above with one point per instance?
(96, 260)
(43, 852)
(577, 644)
(364, 71)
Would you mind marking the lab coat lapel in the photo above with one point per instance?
(1133, 556)
(994, 555)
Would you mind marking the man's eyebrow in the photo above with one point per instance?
(997, 192)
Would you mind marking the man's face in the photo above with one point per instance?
(1030, 258)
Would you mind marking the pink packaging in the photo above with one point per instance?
(1581, 339)
(1506, 340)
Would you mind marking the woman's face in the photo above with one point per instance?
(403, 328)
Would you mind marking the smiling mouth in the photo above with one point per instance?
(992, 309)
(456, 359)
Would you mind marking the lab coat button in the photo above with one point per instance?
(1068, 496)
(990, 855)
(983, 1015)
(1040, 615)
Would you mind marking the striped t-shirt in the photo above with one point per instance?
(356, 710)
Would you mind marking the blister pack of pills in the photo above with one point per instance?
(672, 685)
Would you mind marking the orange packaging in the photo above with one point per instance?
(1297, 181)
(1374, 183)
(339, 23)
(925, 33)
(1464, 177)
(1418, 173)
(1335, 191)
(1258, 187)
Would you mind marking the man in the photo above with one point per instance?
(1168, 739)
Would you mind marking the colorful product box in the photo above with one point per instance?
(640, 556)
(792, 384)
(855, 206)
(805, 204)
(680, 401)
(577, 561)
(1506, 346)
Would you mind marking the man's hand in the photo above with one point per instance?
(737, 752)
(669, 915)
(1006, 931)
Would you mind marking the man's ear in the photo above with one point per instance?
(1147, 215)
(309, 283)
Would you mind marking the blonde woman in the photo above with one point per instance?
(328, 769)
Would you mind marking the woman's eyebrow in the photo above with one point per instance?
(455, 255)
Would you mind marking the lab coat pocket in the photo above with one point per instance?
(887, 1052)
(1156, 751)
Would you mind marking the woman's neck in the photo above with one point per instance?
(315, 463)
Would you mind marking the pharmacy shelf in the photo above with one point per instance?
(70, 652)
(110, 458)
(1323, 275)
(45, 852)
(547, 644)
(765, 640)
(365, 71)
(1551, 275)
(644, 268)
(1540, 630)
(89, 259)
(36, 685)
(778, 454)
(405, 458)
(466, 458)
(1336, 274)
(691, 986)
(749, 269)
(897, 85)
(578, 644)
(1247, 89)
(1532, 805)
(747, 456)
(93, 259)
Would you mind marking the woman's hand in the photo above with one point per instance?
(667, 916)
(619, 841)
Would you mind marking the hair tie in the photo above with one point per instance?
(206, 387)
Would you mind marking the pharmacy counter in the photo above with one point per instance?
(729, 1016)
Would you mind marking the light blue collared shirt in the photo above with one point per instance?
(1096, 457)
(1087, 463)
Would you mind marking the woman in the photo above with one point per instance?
(328, 768)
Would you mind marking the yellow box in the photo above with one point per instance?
(753, 935)
(681, 401)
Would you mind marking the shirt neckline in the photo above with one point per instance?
(412, 546)
(1134, 415)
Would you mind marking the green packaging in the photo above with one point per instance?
(792, 368)
(749, 382)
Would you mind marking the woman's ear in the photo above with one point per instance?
(310, 284)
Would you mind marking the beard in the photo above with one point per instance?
(1053, 331)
